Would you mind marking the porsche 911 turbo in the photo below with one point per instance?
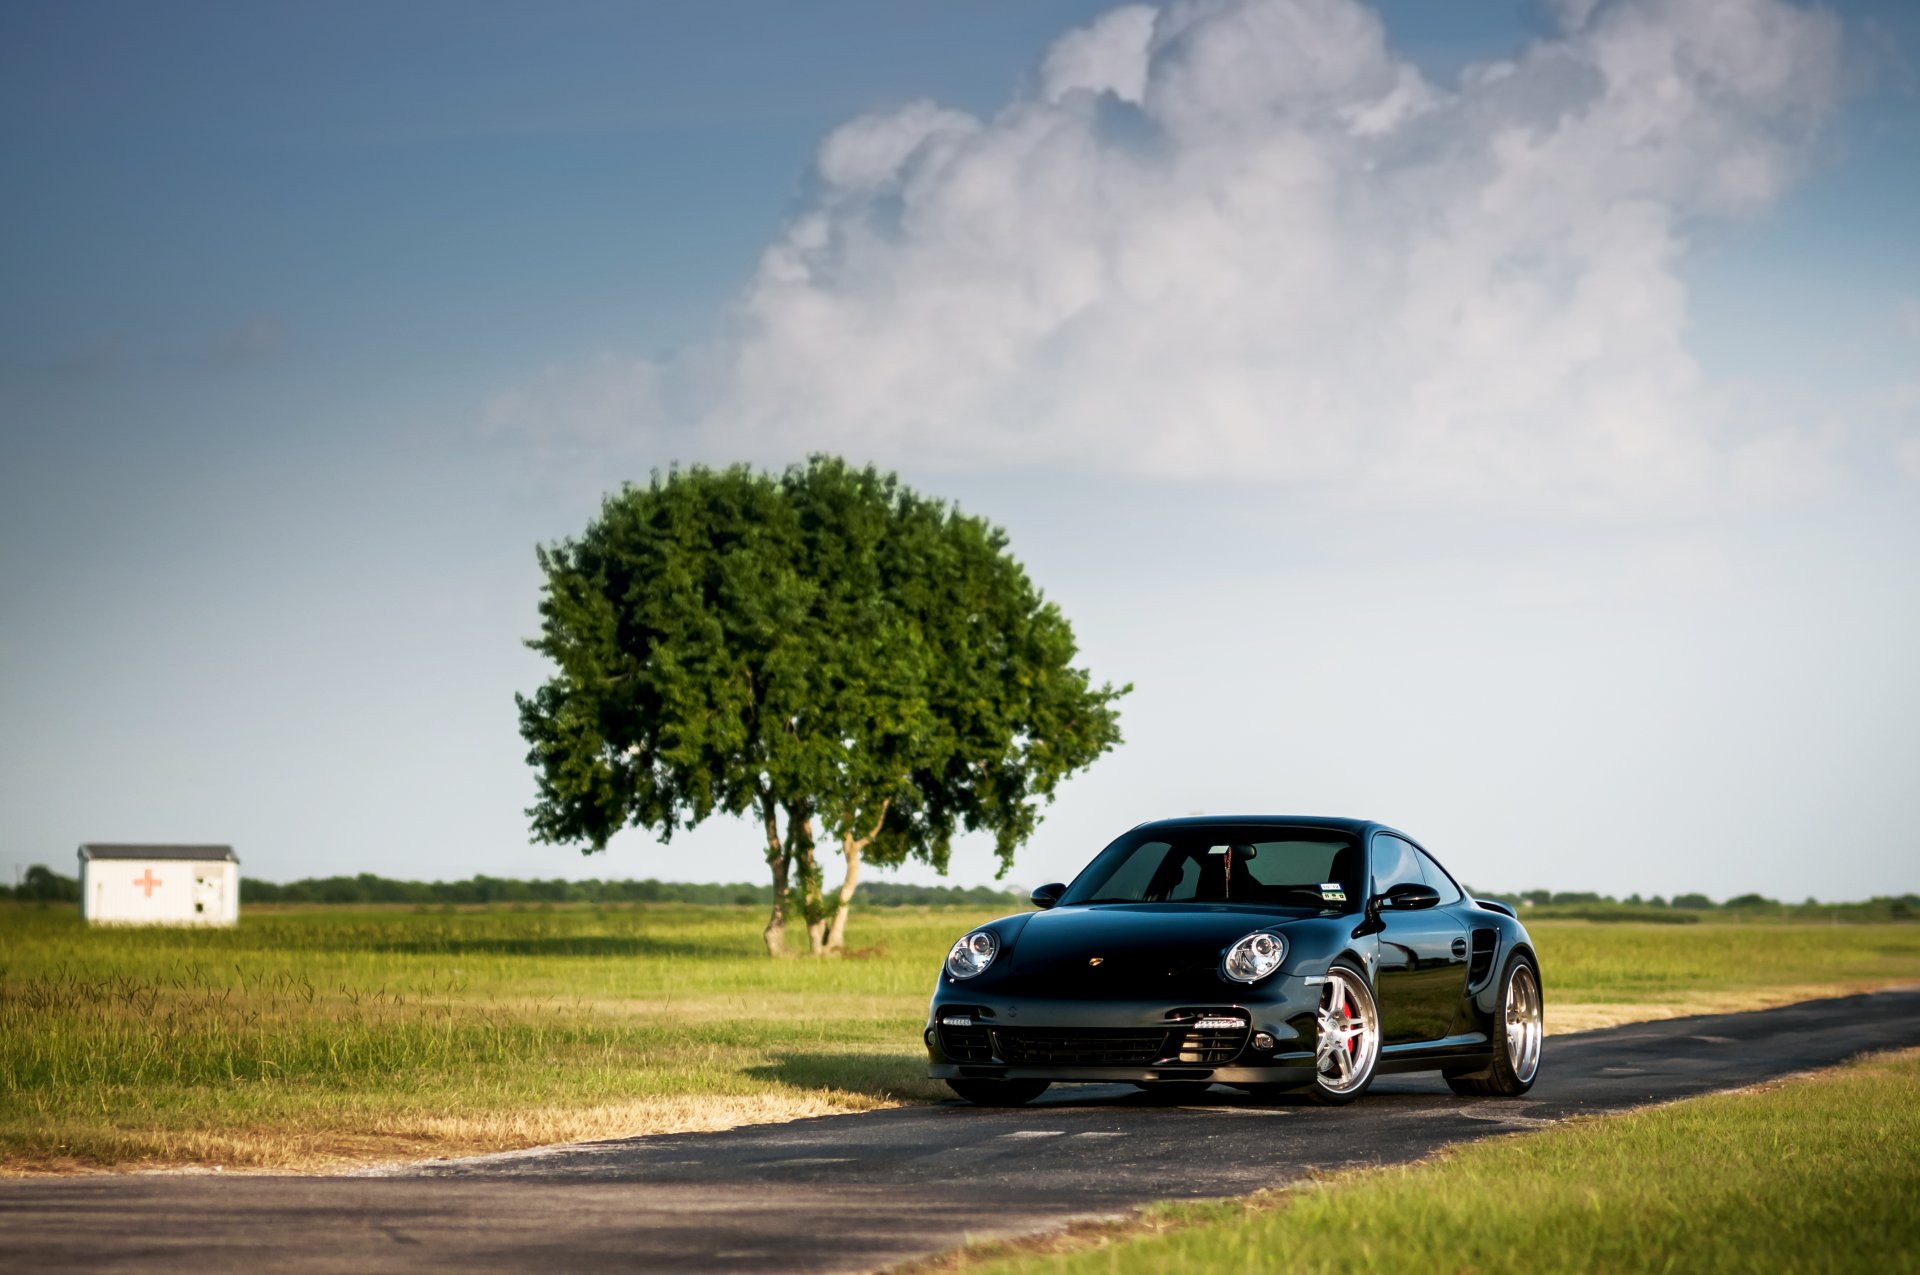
(1268, 953)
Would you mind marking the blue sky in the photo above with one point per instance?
(316, 320)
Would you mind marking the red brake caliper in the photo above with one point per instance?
(1353, 1043)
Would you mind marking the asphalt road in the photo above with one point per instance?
(851, 1193)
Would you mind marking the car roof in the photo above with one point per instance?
(1357, 827)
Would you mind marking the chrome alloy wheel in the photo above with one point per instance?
(1349, 1032)
(1524, 1028)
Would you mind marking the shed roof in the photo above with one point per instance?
(102, 850)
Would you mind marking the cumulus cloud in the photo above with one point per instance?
(1108, 56)
(1247, 238)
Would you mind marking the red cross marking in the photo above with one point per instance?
(148, 882)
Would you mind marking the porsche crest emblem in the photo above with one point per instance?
(1095, 960)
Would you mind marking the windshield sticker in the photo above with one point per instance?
(1330, 892)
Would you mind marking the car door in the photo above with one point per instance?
(1422, 965)
(1459, 951)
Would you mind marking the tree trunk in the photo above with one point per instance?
(806, 868)
(837, 933)
(776, 931)
(850, 847)
(817, 937)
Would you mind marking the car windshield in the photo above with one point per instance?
(1283, 866)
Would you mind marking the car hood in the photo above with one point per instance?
(1135, 939)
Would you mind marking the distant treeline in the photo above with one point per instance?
(1575, 898)
(367, 888)
(42, 885)
(1587, 905)
(1697, 902)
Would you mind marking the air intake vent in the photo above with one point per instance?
(1481, 963)
(1210, 1035)
(1083, 1046)
(963, 1033)
(1213, 1044)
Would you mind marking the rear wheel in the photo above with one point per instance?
(1517, 1033)
(998, 1093)
(1347, 1043)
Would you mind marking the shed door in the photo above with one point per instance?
(207, 894)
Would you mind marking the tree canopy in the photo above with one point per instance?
(824, 649)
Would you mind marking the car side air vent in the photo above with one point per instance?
(1480, 964)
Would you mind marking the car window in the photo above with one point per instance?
(1437, 878)
(1197, 872)
(1306, 863)
(1135, 874)
(1305, 868)
(1394, 862)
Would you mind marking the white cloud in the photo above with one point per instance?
(1108, 56)
(870, 153)
(1245, 238)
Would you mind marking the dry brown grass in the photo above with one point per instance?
(409, 1137)
(450, 1137)
(1564, 1018)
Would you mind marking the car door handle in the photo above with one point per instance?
(1459, 947)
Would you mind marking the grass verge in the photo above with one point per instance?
(314, 1039)
(1814, 1173)
(323, 1037)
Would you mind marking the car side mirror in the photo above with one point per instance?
(1045, 896)
(1408, 896)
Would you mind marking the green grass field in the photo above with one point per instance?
(1817, 1173)
(326, 1036)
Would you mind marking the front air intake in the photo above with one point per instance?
(1209, 1035)
(1081, 1046)
(963, 1033)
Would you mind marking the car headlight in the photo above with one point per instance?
(972, 954)
(1254, 957)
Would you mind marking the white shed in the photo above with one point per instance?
(159, 885)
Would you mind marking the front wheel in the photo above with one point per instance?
(1347, 1043)
(1517, 1034)
(998, 1093)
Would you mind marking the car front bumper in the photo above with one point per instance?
(974, 1034)
(1287, 1076)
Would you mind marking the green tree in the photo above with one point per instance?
(823, 649)
(43, 885)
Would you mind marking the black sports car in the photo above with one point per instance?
(1266, 953)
